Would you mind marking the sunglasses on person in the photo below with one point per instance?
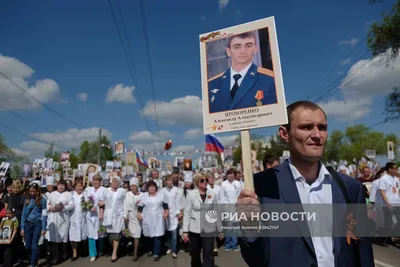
(203, 180)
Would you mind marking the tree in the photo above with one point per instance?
(353, 142)
(392, 105)
(385, 37)
(89, 151)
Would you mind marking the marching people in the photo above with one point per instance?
(132, 199)
(95, 194)
(59, 205)
(217, 190)
(78, 228)
(192, 230)
(114, 214)
(172, 197)
(34, 221)
(152, 212)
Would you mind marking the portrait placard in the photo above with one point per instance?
(242, 85)
(6, 234)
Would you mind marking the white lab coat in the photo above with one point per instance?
(130, 212)
(58, 222)
(172, 197)
(153, 223)
(114, 210)
(182, 202)
(92, 218)
(217, 190)
(78, 227)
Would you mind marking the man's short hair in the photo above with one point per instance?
(301, 104)
(244, 35)
(268, 159)
(390, 165)
(231, 170)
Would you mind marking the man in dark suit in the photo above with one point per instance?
(303, 179)
(244, 84)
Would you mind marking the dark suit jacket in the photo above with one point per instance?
(256, 79)
(299, 251)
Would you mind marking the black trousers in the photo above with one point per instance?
(56, 248)
(7, 254)
(388, 230)
(196, 244)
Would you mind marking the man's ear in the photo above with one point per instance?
(284, 134)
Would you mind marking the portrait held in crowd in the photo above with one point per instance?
(241, 74)
(5, 234)
(64, 156)
(26, 170)
(119, 148)
(187, 164)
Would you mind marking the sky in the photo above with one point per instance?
(68, 55)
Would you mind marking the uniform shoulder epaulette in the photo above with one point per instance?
(216, 77)
(265, 71)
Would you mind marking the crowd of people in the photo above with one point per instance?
(158, 216)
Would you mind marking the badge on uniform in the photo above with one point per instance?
(259, 96)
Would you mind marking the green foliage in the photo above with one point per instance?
(89, 151)
(392, 105)
(386, 34)
(353, 142)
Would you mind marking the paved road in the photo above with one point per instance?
(384, 257)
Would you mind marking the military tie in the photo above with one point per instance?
(235, 87)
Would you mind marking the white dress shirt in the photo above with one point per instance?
(319, 192)
(390, 184)
(242, 73)
(229, 192)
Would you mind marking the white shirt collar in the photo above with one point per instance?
(321, 176)
(242, 73)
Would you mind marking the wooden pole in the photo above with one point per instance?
(246, 159)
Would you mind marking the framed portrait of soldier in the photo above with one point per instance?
(187, 165)
(242, 85)
(119, 148)
(109, 166)
(26, 170)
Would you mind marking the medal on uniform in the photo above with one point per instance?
(259, 96)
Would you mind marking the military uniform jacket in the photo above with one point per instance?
(256, 79)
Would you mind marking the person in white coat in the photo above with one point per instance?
(172, 196)
(78, 227)
(132, 199)
(188, 186)
(153, 211)
(230, 190)
(200, 200)
(51, 186)
(217, 190)
(114, 213)
(96, 194)
(59, 205)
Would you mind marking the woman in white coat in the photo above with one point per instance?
(132, 199)
(96, 194)
(59, 205)
(114, 213)
(78, 227)
(153, 212)
(172, 196)
(198, 200)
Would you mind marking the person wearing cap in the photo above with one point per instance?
(175, 178)
(59, 206)
(188, 187)
(152, 212)
(172, 197)
(132, 199)
(94, 215)
(114, 197)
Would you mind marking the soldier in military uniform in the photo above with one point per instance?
(244, 84)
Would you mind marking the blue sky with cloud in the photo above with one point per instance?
(68, 55)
